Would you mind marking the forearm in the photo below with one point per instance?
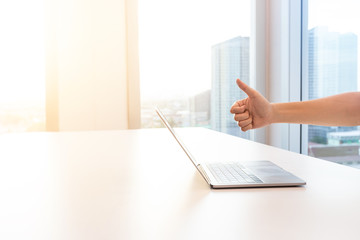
(338, 110)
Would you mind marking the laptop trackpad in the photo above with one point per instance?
(269, 172)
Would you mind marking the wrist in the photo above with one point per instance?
(290, 112)
(273, 118)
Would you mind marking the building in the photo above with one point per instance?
(200, 109)
(230, 60)
(340, 138)
(332, 70)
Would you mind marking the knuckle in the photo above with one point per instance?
(242, 124)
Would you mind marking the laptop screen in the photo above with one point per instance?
(166, 123)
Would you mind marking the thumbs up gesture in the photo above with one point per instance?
(255, 111)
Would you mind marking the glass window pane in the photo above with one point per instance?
(191, 53)
(22, 66)
(333, 41)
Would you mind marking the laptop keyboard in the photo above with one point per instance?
(232, 173)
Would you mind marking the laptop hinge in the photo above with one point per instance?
(203, 173)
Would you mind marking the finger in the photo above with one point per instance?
(241, 116)
(248, 127)
(245, 122)
(236, 110)
(248, 90)
(238, 103)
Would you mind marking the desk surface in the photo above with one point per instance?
(139, 184)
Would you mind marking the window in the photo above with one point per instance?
(22, 66)
(191, 53)
(332, 37)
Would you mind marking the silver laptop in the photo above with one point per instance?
(236, 174)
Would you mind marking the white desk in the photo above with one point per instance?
(140, 185)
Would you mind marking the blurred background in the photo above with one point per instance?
(76, 65)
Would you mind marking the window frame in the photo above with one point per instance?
(283, 67)
(304, 71)
(258, 57)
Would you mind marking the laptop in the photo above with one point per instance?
(238, 174)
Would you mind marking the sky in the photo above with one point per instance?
(339, 16)
(175, 39)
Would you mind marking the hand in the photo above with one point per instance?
(252, 112)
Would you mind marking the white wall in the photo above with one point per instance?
(89, 64)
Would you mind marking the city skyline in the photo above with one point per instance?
(230, 60)
(332, 59)
(332, 69)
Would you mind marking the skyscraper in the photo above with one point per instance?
(332, 70)
(230, 60)
(200, 109)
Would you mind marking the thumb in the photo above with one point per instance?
(248, 90)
